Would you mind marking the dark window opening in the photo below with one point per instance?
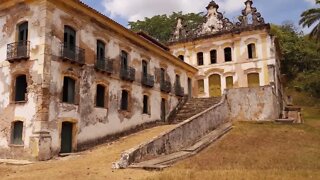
(213, 56)
(69, 90)
(144, 68)
(100, 96)
(124, 100)
(21, 88)
(124, 59)
(251, 51)
(181, 57)
(227, 54)
(163, 109)
(23, 32)
(69, 38)
(17, 133)
(200, 58)
(162, 75)
(100, 50)
(178, 80)
(145, 104)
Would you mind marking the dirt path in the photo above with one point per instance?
(92, 164)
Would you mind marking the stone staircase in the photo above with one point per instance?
(193, 107)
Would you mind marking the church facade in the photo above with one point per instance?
(229, 54)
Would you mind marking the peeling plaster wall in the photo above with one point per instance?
(94, 123)
(10, 17)
(240, 65)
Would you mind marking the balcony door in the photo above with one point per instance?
(69, 43)
(144, 69)
(22, 40)
(101, 54)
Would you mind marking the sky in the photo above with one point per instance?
(273, 11)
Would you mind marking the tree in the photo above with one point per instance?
(311, 17)
(161, 27)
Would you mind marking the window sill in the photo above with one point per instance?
(97, 107)
(19, 102)
(16, 145)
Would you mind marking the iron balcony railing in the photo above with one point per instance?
(147, 80)
(127, 73)
(179, 91)
(18, 50)
(165, 86)
(104, 65)
(73, 54)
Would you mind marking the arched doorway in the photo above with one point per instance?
(215, 85)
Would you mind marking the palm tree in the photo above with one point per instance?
(312, 17)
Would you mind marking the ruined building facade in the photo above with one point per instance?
(70, 76)
(229, 54)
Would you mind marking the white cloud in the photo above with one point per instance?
(310, 1)
(133, 10)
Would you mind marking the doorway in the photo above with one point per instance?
(215, 85)
(66, 137)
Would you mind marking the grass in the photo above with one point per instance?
(257, 151)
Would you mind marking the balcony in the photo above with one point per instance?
(179, 91)
(18, 51)
(147, 80)
(165, 86)
(72, 54)
(104, 65)
(127, 73)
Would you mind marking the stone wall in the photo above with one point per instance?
(253, 104)
(242, 104)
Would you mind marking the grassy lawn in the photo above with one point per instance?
(257, 151)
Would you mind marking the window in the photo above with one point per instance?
(163, 109)
(229, 82)
(23, 32)
(227, 54)
(213, 56)
(100, 96)
(253, 80)
(69, 38)
(252, 51)
(69, 90)
(20, 88)
(124, 100)
(124, 59)
(178, 80)
(100, 50)
(17, 130)
(181, 57)
(201, 86)
(145, 104)
(144, 68)
(200, 58)
(162, 75)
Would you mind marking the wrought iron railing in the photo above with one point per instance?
(18, 50)
(147, 80)
(105, 65)
(127, 73)
(165, 86)
(179, 91)
(73, 54)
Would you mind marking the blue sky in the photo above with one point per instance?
(274, 11)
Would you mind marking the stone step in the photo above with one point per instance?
(286, 121)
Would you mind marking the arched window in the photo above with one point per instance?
(20, 88)
(124, 100)
(17, 130)
(200, 58)
(23, 32)
(100, 96)
(69, 87)
(227, 54)
(145, 104)
(213, 56)
(100, 51)
(124, 59)
(181, 57)
(252, 51)
(69, 45)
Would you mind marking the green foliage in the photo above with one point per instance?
(161, 27)
(311, 17)
(300, 58)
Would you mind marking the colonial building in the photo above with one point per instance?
(229, 54)
(70, 76)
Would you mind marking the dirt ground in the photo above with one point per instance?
(249, 151)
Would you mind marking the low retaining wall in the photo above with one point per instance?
(185, 135)
(242, 104)
(253, 104)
